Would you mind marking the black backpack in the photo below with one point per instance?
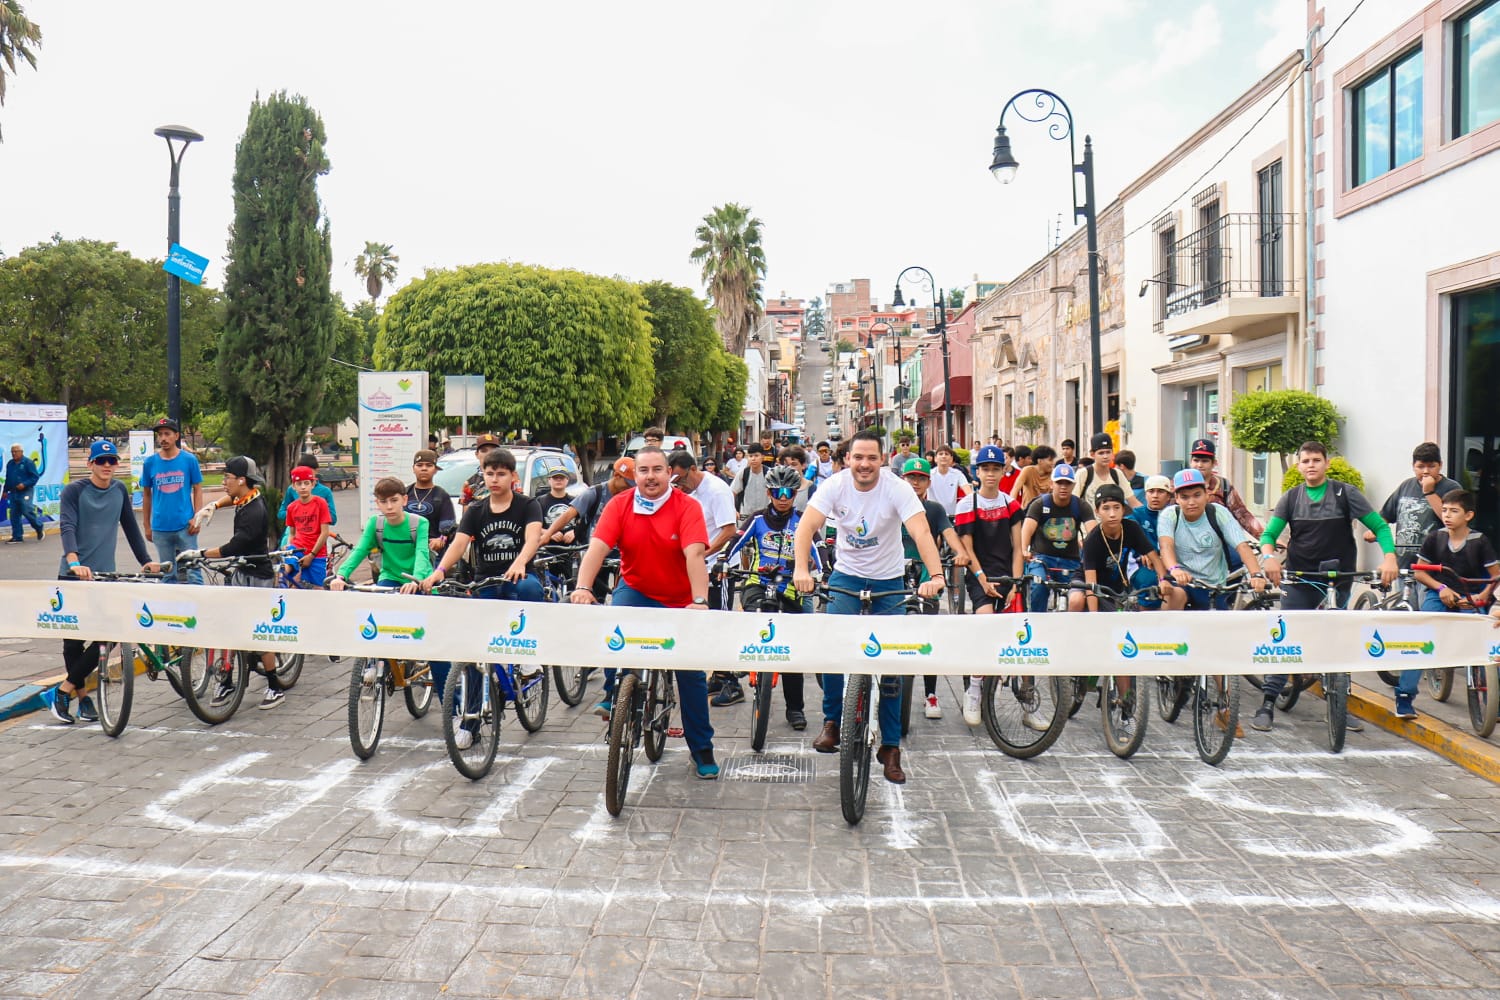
(1213, 522)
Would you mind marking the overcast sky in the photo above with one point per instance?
(595, 135)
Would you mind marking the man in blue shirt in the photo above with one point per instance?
(20, 479)
(172, 490)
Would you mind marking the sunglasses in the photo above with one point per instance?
(783, 493)
(106, 461)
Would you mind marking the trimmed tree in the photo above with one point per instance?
(281, 318)
(566, 355)
(1280, 420)
(684, 351)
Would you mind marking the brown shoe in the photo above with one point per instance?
(828, 740)
(891, 758)
(1221, 720)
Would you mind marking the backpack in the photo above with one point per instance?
(1089, 477)
(1231, 557)
(375, 553)
(1074, 508)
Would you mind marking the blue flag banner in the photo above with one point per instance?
(185, 264)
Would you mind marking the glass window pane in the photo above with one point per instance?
(1372, 124)
(1477, 80)
(1408, 109)
(1474, 447)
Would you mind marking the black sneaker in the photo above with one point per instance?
(273, 697)
(797, 720)
(1264, 719)
(730, 694)
(715, 683)
(61, 706)
(86, 710)
(223, 694)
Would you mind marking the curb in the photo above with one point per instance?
(1464, 749)
(22, 701)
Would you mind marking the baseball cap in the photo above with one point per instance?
(1062, 472)
(920, 466)
(100, 449)
(625, 468)
(244, 467)
(1108, 492)
(303, 474)
(1158, 483)
(168, 423)
(1101, 440)
(485, 440)
(425, 455)
(558, 470)
(1186, 478)
(990, 455)
(1203, 446)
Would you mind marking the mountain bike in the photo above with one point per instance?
(773, 586)
(115, 680)
(372, 679)
(856, 738)
(1023, 714)
(1481, 679)
(644, 699)
(1124, 704)
(1381, 597)
(1215, 697)
(288, 579)
(1326, 579)
(557, 566)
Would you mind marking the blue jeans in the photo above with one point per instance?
(22, 510)
(1041, 568)
(1299, 597)
(1407, 685)
(529, 589)
(169, 544)
(890, 687)
(692, 685)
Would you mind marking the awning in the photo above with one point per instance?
(931, 401)
(777, 425)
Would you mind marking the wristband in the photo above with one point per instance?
(1430, 493)
(1442, 587)
(1174, 567)
(74, 564)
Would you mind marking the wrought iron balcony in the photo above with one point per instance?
(1241, 264)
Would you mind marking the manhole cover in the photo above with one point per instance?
(778, 768)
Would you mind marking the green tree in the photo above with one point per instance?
(814, 319)
(20, 37)
(734, 377)
(843, 346)
(955, 298)
(353, 349)
(565, 355)
(377, 265)
(281, 318)
(733, 261)
(1279, 420)
(684, 352)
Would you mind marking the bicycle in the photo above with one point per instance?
(1381, 597)
(569, 681)
(1123, 712)
(230, 668)
(115, 683)
(953, 576)
(644, 699)
(1481, 679)
(763, 683)
(289, 579)
(372, 679)
(471, 704)
(1335, 684)
(1024, 714)
(855, 738)
(1215, 697)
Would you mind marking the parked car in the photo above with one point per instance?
(532, 467)
(670, 443)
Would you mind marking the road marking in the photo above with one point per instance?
(1147, 837)
(1148, 893)
(380, 800)
(303, 792)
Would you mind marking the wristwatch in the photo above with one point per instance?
(700, 601)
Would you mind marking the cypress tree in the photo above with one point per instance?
(280, 322)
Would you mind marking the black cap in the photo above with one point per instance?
(1107, 492)
(1101, 440)
(168, 423)
(245, 468)
(1203, 446)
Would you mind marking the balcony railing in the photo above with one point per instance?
(1240, 255)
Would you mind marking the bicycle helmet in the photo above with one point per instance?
(783, 476)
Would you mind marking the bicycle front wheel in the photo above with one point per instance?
(854, 748)
(622, 733)
(366, 705)
(532, 685)
(116, 686)
(214, 682)
(1216, 713)
(418, 689)
(1025, 715)
(1125, 715)
(1336, 699)
(570, 682)
(1482, 704)
(1172, 694)
(289, 668)
(469, 706)
(1440, 683)
(656, 717)
(760, 710)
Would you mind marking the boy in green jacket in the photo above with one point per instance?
(400, 537)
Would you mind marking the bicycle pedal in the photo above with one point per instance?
(675, 732)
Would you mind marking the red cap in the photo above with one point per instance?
(303, 474)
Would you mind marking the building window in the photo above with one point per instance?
(1476, 68)
(1473, 418)
(1166, 270)
(1210, 252)
(1272, 248)
(1255, 466)
(1387, 124)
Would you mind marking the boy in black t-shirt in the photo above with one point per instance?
(429, 500)
(505, 531)
(1054, 523)
(555, 502)
(1116, 548)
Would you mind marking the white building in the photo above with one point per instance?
(1214, 282)
(1407, 233)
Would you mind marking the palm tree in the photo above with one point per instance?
(733, 262)
(813, 323)
(377, 265)
(19, 39)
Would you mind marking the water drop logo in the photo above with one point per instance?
(1278, 631)
(769, 632)
(1376, 646)
(57, 599)
(369, 630)
(863, 529)
(518, 625)
(1023, 634)
(616, 640)
(872, 646)
(1128, 648)
(145, 618)
(279, 611)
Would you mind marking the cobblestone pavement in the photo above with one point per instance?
(261, 859)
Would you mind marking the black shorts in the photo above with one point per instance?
(978, 598)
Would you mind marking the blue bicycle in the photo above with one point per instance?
(557, 565)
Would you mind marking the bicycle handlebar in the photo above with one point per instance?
(862, 595)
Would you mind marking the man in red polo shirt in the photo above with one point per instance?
(661, 536)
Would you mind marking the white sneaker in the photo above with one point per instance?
(463, 739)
(971, 708)
(1034, 720)
(934, 710)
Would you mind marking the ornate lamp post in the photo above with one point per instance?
(186, 136)
(940, 300)
(1045, 107)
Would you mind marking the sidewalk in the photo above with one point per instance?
(1442, 727)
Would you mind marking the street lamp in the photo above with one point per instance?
(1053, 111)
(187, 137)
(939, 299)
(876, 362)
